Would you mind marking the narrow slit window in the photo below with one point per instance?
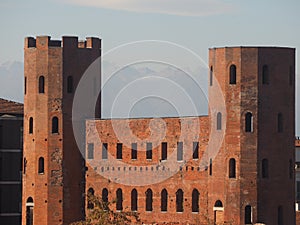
(134, 200)
(25, 85)
(211, 76)
(90, 150)
(55, 125)
(119, 203)
(41, 168)
(179, 201)
(248, 214)
(179, 151)
(164, 150)
(195, 150)
(232, 74)
(149, 151)
(210, 167)
(134, 151)
(232, 168)
(30, 125)
(219, 121)
(195, 200)
(119, 150)
(149, 200)
(248, 122)
(164, 200)
(104, 151)
(41, 84)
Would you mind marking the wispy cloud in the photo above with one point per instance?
(172, 7)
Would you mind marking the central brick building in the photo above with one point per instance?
(234, 166)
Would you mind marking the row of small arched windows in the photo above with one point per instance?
(149, 199)
(249, 122)
(41, 84)
(265, 75)
(54, 125)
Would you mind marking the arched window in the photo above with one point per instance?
(232, 74)
(105, 195)
(134, 200)
(54, 125)
(280, 215)
(179, 200)
(232, 168)
(41, 84)
(211, 76)
(90, 204)
(219, 121)
(119, 199)
(29, 211)
(248, 214)
(195, 200)
(30, 125)
(41, 169)
(164, 201)
(248, 122)
(70, 84)
(149, 196)
(265, 75)
(218, 204)
(265, 168)
(279, 123)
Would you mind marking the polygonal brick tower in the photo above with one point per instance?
(53, 176)
(252, 178)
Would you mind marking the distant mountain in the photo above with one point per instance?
(11, 81)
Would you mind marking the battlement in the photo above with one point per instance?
(43, 42)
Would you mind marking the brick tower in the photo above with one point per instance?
(53, 176)
(252, 178)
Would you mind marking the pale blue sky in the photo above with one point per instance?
(195, 24)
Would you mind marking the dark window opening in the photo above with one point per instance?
(279, 123)
(280, 215)
(119, 204)
(265, 168)
(24, 165)
(232, 74)
(232, 168)
(41, 84)
(195, 150)
(105, 198)
(70, 84)
(218, 204)
(41, 169)
(134, 200)
(210, 167)
(29, 211)
(265, 75)
(149, 151)
(219, 121)
(25, 85)
(248, 214)
(90, 150)
(134, 151)
(248, 122)
(195, 200)
(119, 150)
(179, 201)
(55, 125)
(149, 196)
(90, 204)
(164, 150)
(179, 151)
(104, 151)
(164, 201)
(30, 125)
(211, 76)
